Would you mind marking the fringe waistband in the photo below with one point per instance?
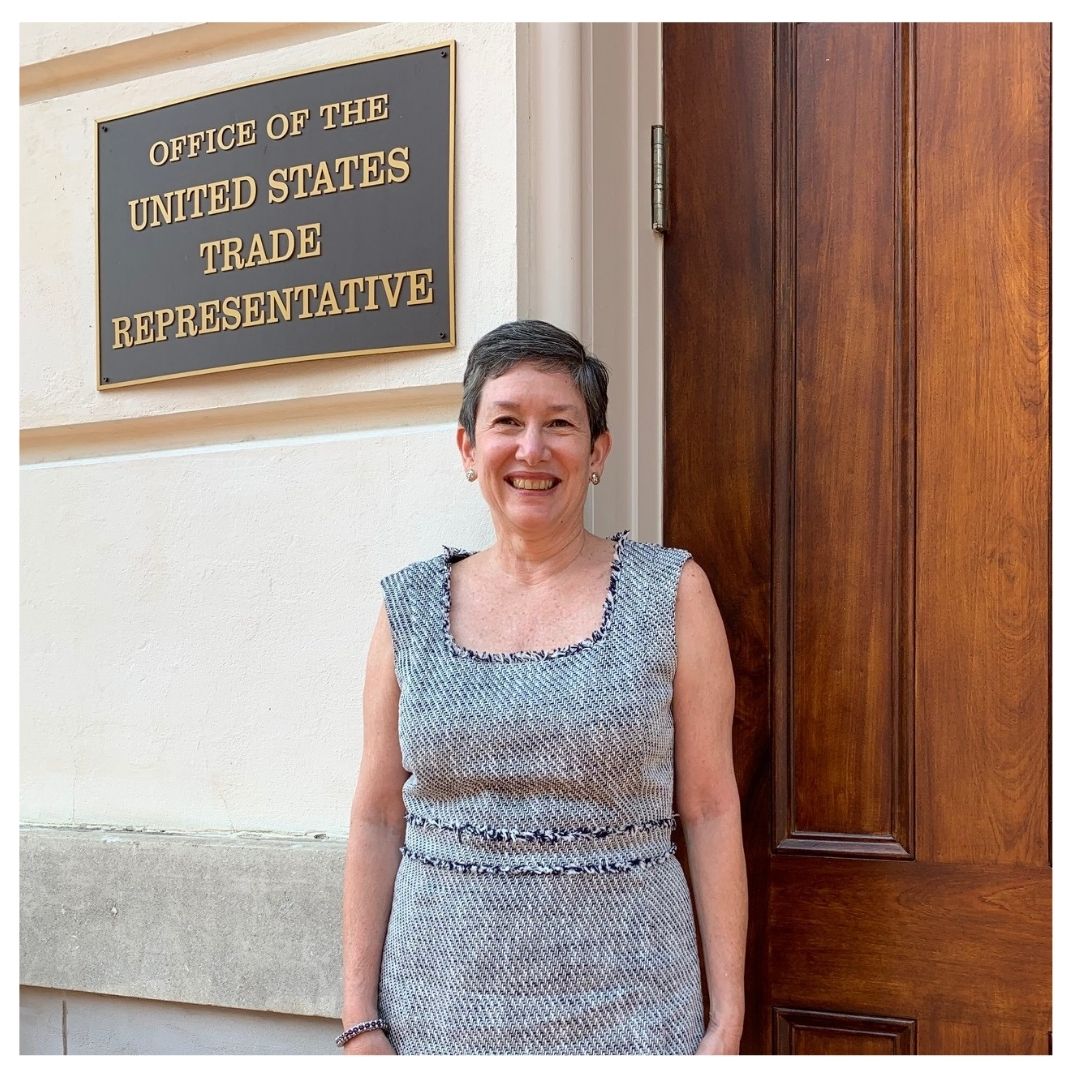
(468, 847)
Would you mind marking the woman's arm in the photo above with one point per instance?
(376, 831)
(707, 800)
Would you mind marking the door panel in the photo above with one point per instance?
(857, 450)
(983, 326)
(843, 689)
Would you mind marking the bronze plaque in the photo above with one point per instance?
(299, 218)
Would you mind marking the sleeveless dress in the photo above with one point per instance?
(539, 907)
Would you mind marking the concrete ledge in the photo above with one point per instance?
(245, 921)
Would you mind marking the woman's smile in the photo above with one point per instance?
(531, 483)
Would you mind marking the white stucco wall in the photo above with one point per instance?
(42, 42)
(201, 556)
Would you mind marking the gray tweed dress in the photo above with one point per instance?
(538, 907)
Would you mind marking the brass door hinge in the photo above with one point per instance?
(659, 179)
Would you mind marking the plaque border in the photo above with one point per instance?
(451, 45)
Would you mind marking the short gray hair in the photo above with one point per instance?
(550, 349)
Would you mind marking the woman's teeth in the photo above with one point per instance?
(531, 485)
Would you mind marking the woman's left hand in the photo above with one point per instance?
(720, 1039)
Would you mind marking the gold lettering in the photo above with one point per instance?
(420, 287)
(208, 251)
(144, 328)
(196, 193)
(329, 301)
(305, 293)
(349, 287)
(163, 317)
(324, 182)
(122, 332)
(230, 313)
(279, 190)
(328, 112)
(185, 321)
(312, 301)
(171, 207)
(310, 242)
(238, 199)
(279, 123)
(393, 295)
(352, 112)
(356, 111)
(280, 302)
(398, 158)
(219, 202)
(373, 300)
(256, 253)
(230, 253)
(284, 244)
(327, 177)
(299, 173)
(137, 225)
(298, 118)
(253, 305)
(280, 255)
(371, 169)
(162, 210)
(208, 141)
(208, 312)
(345, 165)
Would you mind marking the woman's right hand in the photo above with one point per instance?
(369, 1042)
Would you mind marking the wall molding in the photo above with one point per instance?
(118, 52)
(588, 258)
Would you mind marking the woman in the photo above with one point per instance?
(528, 782)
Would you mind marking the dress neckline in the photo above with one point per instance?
(451, 555)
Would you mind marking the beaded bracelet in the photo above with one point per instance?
(356, 1029)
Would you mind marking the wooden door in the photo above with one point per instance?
(857, 450)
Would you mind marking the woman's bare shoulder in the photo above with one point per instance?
(697, 615)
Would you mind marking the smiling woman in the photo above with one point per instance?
(523, 710)
(532, 447)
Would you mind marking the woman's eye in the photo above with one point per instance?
(557, 422)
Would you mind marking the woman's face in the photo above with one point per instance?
(532, 451)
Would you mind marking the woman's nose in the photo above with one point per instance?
(531, 444)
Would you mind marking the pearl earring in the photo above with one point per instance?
(470, 474)
(595, 478)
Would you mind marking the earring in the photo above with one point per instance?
(470, 474)
(594, 478)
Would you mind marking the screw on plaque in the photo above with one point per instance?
(442, 335)
(444, 54)
(106, 379)
(104, 127)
